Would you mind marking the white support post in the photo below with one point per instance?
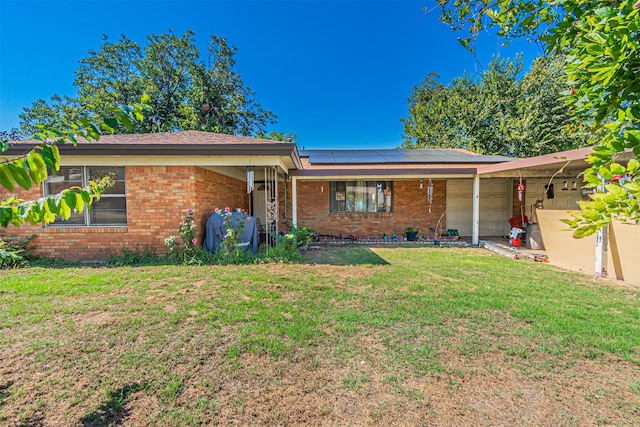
(602, 249)
(475, 233)
(294, 201)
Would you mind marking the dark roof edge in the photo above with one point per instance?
(383, 172)
(104, 149)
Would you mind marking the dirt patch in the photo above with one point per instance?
(491, 389)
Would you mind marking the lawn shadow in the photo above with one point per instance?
(4, 391)
(113, 411)
(343, 254)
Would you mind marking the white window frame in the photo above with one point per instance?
(86, 213)
(371, 197)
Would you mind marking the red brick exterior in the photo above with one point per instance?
(213, 190)
(159, 196)
(157, 199)
(410, 208)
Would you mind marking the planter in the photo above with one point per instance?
(411, 236)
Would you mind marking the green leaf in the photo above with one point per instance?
(6, 214)
(465, 42)
(64, 210)
(51, 156)
(19, 174)
(111, 124)
(86, 196)
(126, 121)
(584, 231)
(6, 178)
(634, 137)
(634, 187)
(618, 144)
(570, 222)
(633, 165)
(79, 204)
(70, 199)
(37, 167)
(617, 169)
(605, 173)
(616, 190)
(591, 214)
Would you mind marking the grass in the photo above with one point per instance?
(388, 328)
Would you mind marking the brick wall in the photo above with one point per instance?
(212, 191)
(410, 208)
(157, 199)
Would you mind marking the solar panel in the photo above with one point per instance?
(427, 155)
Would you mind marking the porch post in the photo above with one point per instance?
(294, 201)
(475, 233)
(602, 251)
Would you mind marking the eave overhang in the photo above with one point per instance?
(288, 152)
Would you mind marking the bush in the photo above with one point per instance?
(284, 250)
(14, 251)
(302, 235)
(186, 251)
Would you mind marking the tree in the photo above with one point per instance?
(495, 113)
(186, 90)
(279, 136)
(599, 44)
(33, 167)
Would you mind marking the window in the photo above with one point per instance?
(360, 196)
(110, 210)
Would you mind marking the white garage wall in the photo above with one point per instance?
(565, 199)
(495, 206)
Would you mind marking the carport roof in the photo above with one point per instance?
(539, 165)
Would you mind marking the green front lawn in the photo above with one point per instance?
(355, 336)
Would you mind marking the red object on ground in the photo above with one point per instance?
(516, 242)
(517, 221)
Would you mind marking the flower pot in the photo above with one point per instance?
(411, 236)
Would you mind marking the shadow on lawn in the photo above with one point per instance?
(4, 391)
(113, 411)
(344, 254)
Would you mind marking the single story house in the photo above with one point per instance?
(366, 192)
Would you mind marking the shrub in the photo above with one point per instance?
(284, 250)
(184, 251)
(301, 235)
(14, 251)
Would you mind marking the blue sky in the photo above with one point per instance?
(336, 73)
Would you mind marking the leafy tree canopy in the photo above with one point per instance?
(186, 90)
(279, 136)
(599, 43)
(495, 113)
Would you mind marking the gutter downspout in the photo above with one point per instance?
(475, 232)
